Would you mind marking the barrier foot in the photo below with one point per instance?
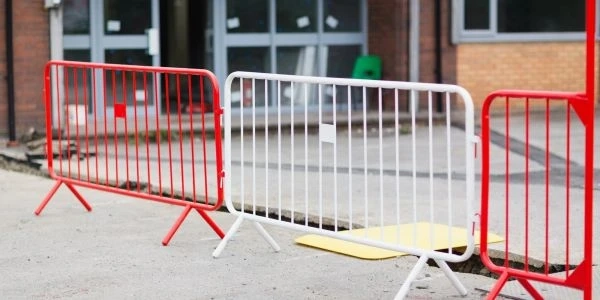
(53, 190)
(211, 223)
(452, 277)
(175, 226)
(234, 228)
(530, 289)
(495, 291)
(267, 236)
(411, 277)
(79, 197)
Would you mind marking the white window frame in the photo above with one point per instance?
(461, 35)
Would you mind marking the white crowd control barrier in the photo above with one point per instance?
(323, 156)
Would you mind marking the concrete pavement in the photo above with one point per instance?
(114, 252)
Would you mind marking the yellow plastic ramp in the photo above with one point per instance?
(402, 235)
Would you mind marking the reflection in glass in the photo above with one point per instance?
(119, 85)
(78, 81)
(297, 61)
(541, 16)
(252, 59)
(76, 16)
(340, 62)
(247, 16)
(127, 17)
(477, 15)
(296, 15)
(341, 15)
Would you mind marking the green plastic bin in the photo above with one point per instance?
(367, 67)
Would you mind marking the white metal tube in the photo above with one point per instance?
(335, 187)
(350, 158)
(279, 149)
(306, 154)
(366, 166)
(413, 113)
(320, 161)
(253, 146)
(266, 236)
(380, 105)
(267, 148)
(292, 186)
(397, 156)
(452, 277)
(449, 171)
(431, 211)
(242, 176)
(411, 277)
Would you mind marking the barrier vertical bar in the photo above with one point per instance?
(589, 144)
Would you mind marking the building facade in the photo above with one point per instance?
(481, 45)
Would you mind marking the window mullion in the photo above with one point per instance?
(494, 17)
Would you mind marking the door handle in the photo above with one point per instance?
(153, 41)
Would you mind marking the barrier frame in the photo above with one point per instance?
(584, 105)
(440, 258)
(71, 183)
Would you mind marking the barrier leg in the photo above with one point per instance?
(175, 226)
(267, 236)
(211, 223)
(411, 277)
(452, 277)
(495, 291)
(53, 190)
(79, 197)
(530, 289)
(234, 228)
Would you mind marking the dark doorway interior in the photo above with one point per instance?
(185, 38)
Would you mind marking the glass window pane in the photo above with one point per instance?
(296, 16)
(76, 17)
(477, 14)
(541, 16)
(340, 60)
(80, 93)
(297, 60)
(247, 16)
(127, 17)
(340, 63)
(341, 15)
(77, 55)
(130, 57)
(252, 59)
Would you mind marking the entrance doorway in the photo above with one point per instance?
(112, 31)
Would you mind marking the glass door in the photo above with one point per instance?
(114, 31)
(128, 35)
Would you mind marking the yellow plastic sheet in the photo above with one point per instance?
(401, 235)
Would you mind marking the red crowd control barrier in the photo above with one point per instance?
(105, 132)
(543, 200)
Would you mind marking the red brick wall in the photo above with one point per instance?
(31, 52)
(3, 103)
(485, 67)
(388, 22)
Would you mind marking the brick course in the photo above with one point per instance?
(31, 51)
(485, 67)
(389, 38)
